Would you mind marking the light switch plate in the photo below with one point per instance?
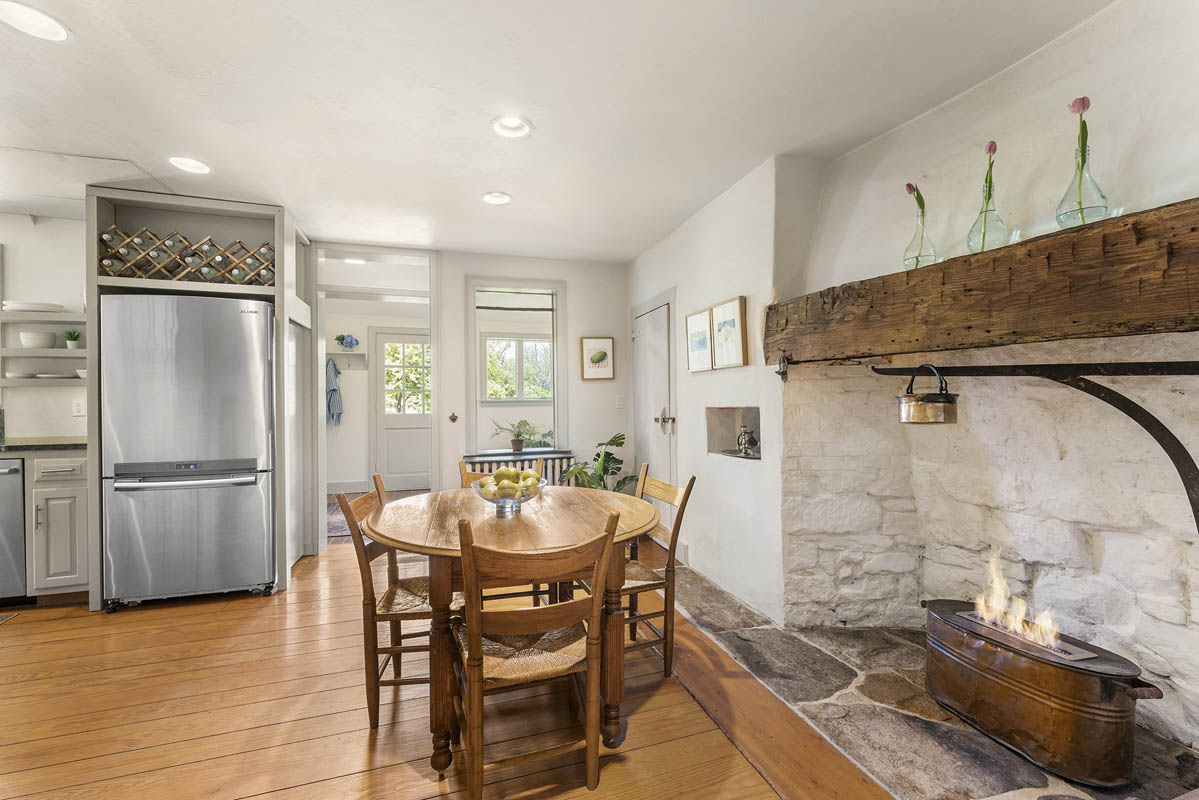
(620, 401)
(78, 408)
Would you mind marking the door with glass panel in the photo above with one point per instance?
(401, 445)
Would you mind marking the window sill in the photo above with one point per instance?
(539, 401)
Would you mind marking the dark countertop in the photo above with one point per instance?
(18, 444)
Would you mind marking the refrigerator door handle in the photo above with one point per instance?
(10, 470)
(142, 486)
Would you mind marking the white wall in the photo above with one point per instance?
(347, 446)
(726, 249)
(1135, 60)
(45, 263)
(596, 305)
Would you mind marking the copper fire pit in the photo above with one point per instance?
(1069, 711)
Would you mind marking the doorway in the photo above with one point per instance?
(653, 396)
(401, 401)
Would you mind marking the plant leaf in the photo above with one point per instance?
(627, 480)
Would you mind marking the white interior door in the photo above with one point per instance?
(653, 405)
(401, 401)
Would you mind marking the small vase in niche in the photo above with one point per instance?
(989, 230)
(1083, 201)
(920, 251)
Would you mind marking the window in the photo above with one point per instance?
(518, 368)
(406, 378)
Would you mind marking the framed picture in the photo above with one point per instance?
(729, 343)
(597, 358)
(699, 341)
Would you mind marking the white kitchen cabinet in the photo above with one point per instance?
(56, 519)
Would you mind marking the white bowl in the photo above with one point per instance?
(39, 341)
(82, 373)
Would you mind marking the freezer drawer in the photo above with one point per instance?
(12, 528)
(187, 535)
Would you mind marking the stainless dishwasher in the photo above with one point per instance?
(12, 529)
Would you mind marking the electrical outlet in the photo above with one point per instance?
(620, 401)
(78, 408)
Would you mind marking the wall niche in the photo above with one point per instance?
(724, 426)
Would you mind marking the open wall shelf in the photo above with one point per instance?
(1133, 274)
(34, 352)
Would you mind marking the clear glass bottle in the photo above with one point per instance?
(921, 252)
(1083, 201)
(989, 230)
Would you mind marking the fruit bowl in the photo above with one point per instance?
(507, 499)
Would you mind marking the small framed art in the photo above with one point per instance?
(699, 341)
(729, 343)
(597, 358)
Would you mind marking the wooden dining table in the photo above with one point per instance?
(560, 516)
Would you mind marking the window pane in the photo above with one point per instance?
(393, 377)
(391, 404)
(501, 368)
(425, 354)
(412, 354)
(414, 404)
(413, 381)
(539, 369)
(428, 402)
(392, 352)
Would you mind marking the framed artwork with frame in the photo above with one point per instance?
(699, 340)
(596, 358)
(729, 341)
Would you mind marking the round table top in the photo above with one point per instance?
(560, 516)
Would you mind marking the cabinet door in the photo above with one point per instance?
(59, 538)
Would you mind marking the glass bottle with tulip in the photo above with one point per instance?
(989, 230)
(920, 251)
(1083, 201)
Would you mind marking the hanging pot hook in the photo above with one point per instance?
(942, 386)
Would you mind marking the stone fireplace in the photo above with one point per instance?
(1085, 512)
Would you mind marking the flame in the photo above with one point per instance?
(997, 607)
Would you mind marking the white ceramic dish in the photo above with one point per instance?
(18, 374)
(21, 305)
(38, 340)
(82, 373)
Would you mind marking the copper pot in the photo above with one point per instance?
(940, 406)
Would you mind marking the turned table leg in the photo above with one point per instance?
(613, 652)
(440, 701)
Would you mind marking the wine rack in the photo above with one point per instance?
(175, 258)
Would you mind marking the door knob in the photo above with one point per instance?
(663, 419)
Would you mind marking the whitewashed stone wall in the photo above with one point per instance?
(1085, 510)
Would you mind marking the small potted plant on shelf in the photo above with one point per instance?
(347, 341)
(524, 432)
(72, 338)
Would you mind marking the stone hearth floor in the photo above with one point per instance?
(863, 688)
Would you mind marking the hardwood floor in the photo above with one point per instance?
(240, 696)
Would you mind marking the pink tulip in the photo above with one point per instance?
(911, 188)
(1080, 105)
(991, 148)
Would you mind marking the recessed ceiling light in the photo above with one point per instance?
(497, 198)
(355, 260)
(189, 165)
(512, 127)
(31, 21)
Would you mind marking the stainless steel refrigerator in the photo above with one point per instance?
(187, 438)
(12, 529)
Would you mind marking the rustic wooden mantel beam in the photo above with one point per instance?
(1138, 273)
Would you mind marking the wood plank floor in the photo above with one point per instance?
(240, 696)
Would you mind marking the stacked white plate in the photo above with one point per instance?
(22, 305)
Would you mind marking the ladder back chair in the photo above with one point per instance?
(405, 599)
(640, 577)
(503, 650)
(537, 593)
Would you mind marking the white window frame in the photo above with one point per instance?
(520, 399)
(561, 400)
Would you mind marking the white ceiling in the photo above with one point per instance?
(369, 118)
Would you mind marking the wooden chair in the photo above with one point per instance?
(404, 600)
(549, 594)
(640, 577)
(497, 651)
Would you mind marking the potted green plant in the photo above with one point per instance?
(72, 338)
(524, 432)
(603, 466)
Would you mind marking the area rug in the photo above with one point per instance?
(5, 618)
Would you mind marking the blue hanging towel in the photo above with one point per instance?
(332, 393)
